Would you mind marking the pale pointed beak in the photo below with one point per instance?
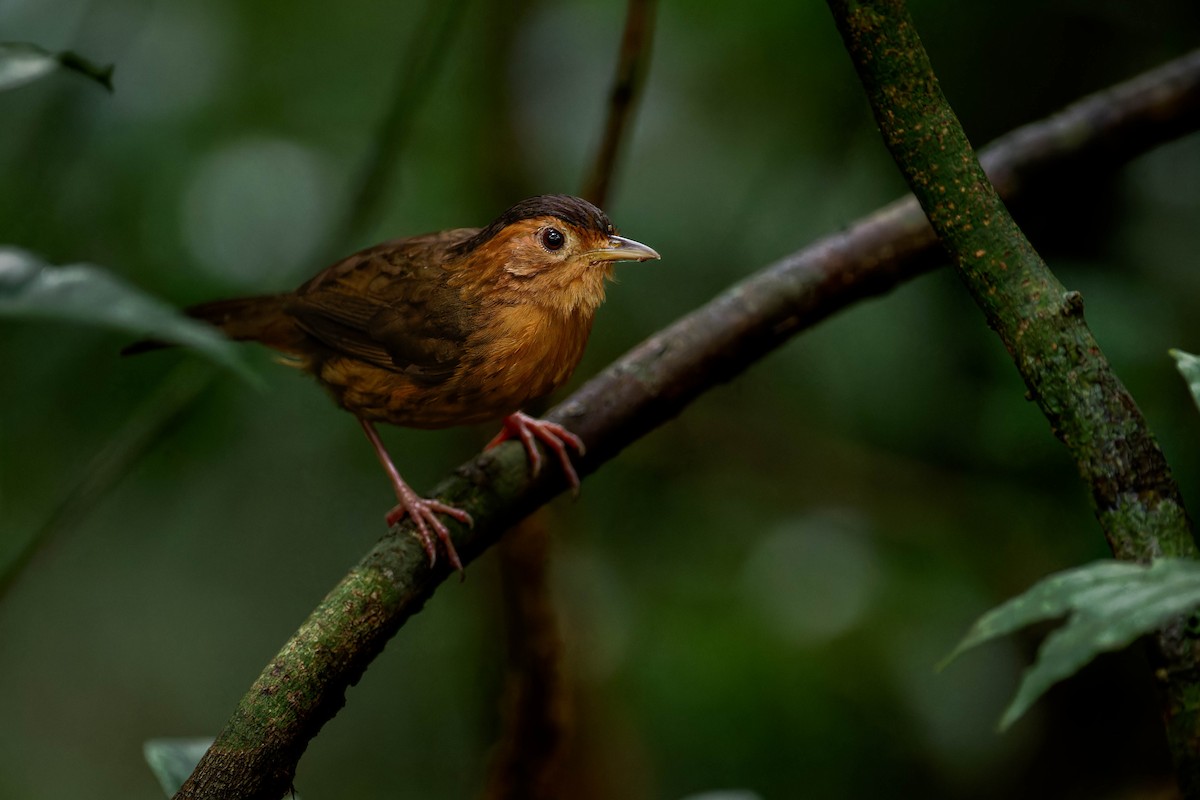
(619, 248)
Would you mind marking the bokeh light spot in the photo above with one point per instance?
(255, 211)
(813, 578)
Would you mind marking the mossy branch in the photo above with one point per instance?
(1136, 501)
(255, 756)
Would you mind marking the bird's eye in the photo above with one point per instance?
(553, 239)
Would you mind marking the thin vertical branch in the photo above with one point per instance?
(536, 714)
(1136, 501)
(415, 74)
(536, 710)
(633, 62)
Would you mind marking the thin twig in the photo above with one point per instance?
(1136, 500)
(415, 75)
(255, 756)
(536, 718)
(632, 64)
(143, 429)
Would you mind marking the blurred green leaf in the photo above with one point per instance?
(22, 63)
(83, 293)
(173, 760)
(1189, 368)
(1110, 604)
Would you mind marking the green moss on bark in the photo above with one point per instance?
(1136, 501)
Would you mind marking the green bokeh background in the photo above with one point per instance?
(755, 595)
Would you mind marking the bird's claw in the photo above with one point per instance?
(557, 438)
(424, 514)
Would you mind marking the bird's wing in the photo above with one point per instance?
(389, 306)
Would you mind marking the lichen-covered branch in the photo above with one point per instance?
(1136, 501)
(305, 684)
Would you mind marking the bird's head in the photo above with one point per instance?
(553, 250)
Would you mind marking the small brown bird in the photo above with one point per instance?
(449, 328)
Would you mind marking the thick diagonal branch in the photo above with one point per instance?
(305, 684)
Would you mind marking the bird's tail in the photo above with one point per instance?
(243, 318)
(260, 318)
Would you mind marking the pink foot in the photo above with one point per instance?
(554, 436)
(423, 512)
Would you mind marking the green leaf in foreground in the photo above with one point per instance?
(1110, 604)
(22, 63)
(173, 760)
(1189, 368)
(30, 288)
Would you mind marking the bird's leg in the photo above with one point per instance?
(423, 511)
(556, 437)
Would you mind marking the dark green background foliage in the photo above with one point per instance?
(756, 594)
